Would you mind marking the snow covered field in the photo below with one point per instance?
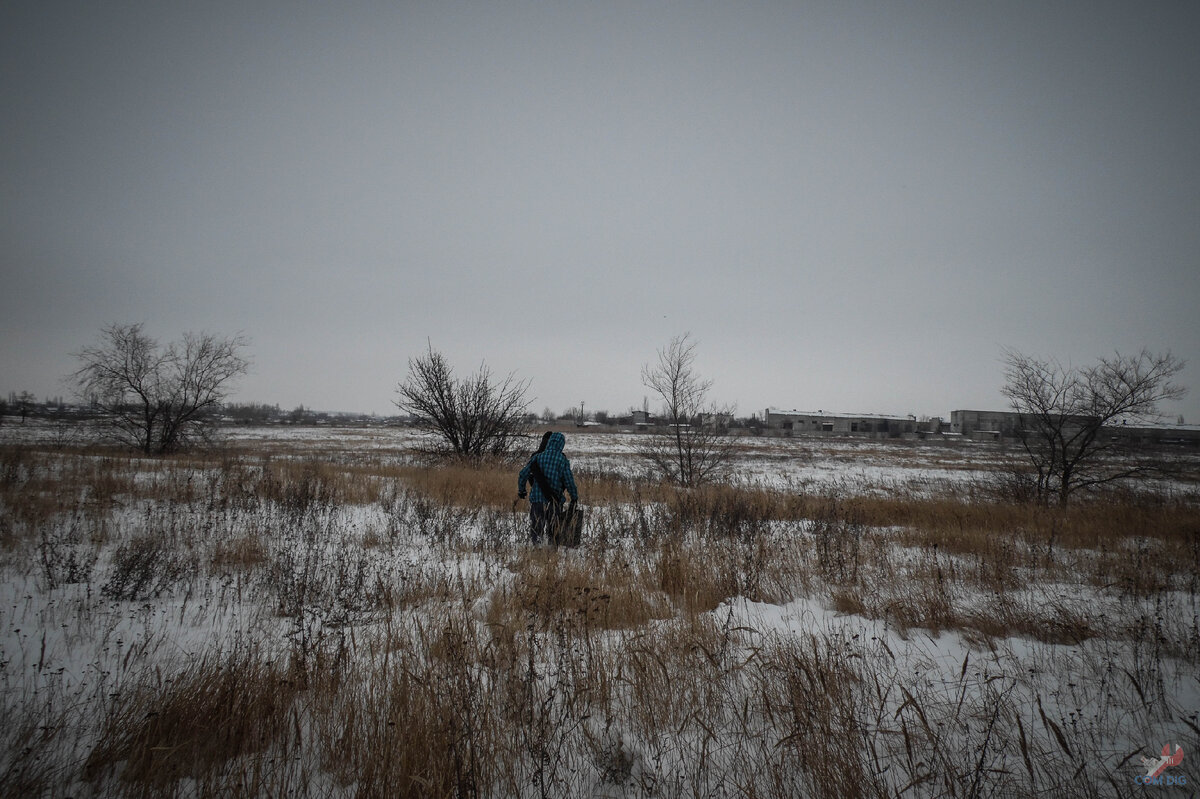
(305, 613)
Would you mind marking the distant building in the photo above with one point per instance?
(997, 425)
(873, 425)
(1152, 433)
(985, 424)
(978, 425)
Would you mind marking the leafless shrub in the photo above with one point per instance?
(472, 417)
(690, 445)
(66, 557)
(1012, 485)
(1065, 412)
(145, 567)
(158, 400)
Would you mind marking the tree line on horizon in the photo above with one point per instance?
(158, 399)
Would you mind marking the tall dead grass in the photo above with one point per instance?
(410, 643)
(591, 592)
(187, 724)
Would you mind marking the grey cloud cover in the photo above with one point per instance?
(852, 206)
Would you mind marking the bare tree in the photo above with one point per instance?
(1066, 415)
(26, 402)
(691, 445)
(472, 417)
(154, 399)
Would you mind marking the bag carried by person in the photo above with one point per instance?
(569, 527)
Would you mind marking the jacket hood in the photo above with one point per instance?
(556, 442)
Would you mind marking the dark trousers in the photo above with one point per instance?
(544, 518)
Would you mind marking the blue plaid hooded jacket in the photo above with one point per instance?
(555, 466)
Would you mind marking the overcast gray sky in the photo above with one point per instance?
(851, 206)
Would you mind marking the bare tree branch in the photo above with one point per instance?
(472, 417)
(1064, 412)
(158, 400)
(692, 448)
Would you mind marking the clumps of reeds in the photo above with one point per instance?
(241, 553)
(410, 731)
(588, 593)
(147, 566)
(195, 721)
(693, 582)
(37, 489)
(816, 692)
(317, 569)
(838, 533)
(65, 554)
(724, 510)
(296, 487)
(32, 740)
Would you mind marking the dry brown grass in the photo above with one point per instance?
(36, 486)
(1085, 524)
(816, 692)
(244, 552)
(694, 582)
(415, 728)
(428, 661)
(550, 586)
(493, 483)
(187, 724)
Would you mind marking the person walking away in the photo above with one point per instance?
(548, 474)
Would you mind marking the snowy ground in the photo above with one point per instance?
(990, 716)
(807, 464)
